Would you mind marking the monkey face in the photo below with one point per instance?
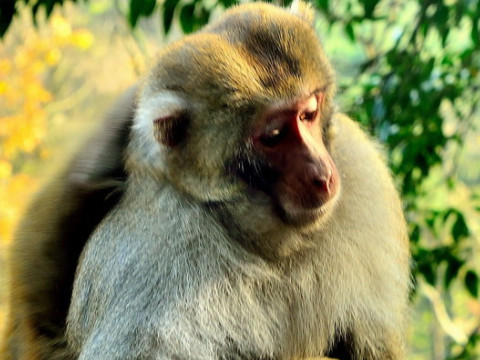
(241, 112)
(295, 168)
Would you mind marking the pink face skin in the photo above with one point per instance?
(290, 139)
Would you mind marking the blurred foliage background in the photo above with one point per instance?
(408, 71)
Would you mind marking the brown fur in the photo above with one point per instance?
(196, 262)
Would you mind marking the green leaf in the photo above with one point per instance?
(350, 32)
(323, 5)
(441, 22)
(453, 267)
(446, 60)
(369, 8)
(426, 269)
(134, 12)
(201, 18)
(228, 3)
(186, 18)
(428, 67)
(471, 282)
(475, 34)
(445, 34)
(415, 234)
(460, 229)
(148, 7)
(139, 8)
(424, 27)
(7, 11)
(168, 12)
(49, 5)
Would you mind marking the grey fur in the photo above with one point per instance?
(168, 275)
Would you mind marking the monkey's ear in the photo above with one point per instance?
(303, 10)
(171, 129)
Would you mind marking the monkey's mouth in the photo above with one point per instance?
(301, 206)
(305, 216)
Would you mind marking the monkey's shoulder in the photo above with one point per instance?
(361, 162)
(352, 143)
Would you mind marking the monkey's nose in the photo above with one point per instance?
(322, 183)
(321, 178)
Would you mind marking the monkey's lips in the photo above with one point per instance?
(304, 213)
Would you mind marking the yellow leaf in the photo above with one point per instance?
(5, 169)
(22, 58)
(5, 67)
(5, 229)
(44, 154)
(6, 124)
(23, 184)
(14, 195)
(3, 87)
(53, 56)
(35, 91)
(82, 39)
(61, 27)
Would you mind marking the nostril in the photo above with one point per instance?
(323, 181)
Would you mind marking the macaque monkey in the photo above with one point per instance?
(51, 237)
(256, 222)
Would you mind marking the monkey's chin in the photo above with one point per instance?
(311, 218)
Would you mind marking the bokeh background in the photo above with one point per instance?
(408, 71)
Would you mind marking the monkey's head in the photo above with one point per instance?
(241, 112)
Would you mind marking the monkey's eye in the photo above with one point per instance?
(308, 112)
(308, 116)
(273, 136)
